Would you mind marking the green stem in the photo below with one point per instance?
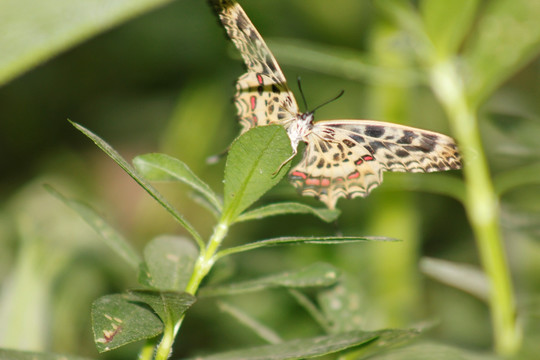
(204, 263)
(482, 204)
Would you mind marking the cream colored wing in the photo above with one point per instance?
(262, 95)
(346, 158)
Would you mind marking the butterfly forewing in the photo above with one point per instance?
(262, 95)
(346, 158)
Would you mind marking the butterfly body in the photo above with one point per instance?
(342, 158)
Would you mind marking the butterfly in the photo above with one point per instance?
(342, 158)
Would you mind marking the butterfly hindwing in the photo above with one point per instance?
(346, 158)
(262, 95)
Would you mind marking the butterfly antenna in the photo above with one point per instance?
(302, 92)
(329, 101)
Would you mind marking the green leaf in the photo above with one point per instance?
(170, 306)
(345, 306)
(112, 238)
(318, 274)
(507, 37)
(341, 62)
(430, 351)
(289, 208)
(263, 331)
(161, 167)
(321, 240)
(252, 161)
(169, 261)
(30, 355)
(117, 321)
(113, 154)
(32, 32)
(300, 348)
(465, 277)
(447, 23)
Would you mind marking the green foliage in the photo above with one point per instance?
(467, 50)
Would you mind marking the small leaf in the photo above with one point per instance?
(300, 348)
(169, 261)
(113, 154)
(116, 321)
(252, 161)
(322, 240)
(507, 37)
(318, 274)
(170, 306)
(112, 238)
(461, 276)
(30, 355)
(324, 214)
(161, 167)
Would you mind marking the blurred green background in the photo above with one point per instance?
(163, 82)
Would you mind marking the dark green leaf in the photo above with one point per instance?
(161, 167)
(112, 238)
(116, 321)
(289, 208)
(345, 306)
(169, 261)
(300, 348)
(170, 306)
(506, 37)
(28, 38)
(252, 161)
(321, 240)
(113, 154)
(318, 274)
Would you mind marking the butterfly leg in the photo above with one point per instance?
(285, 162)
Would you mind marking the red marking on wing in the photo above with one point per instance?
(325, 182)
(253, 102)
(260, 79)
(299, 174)
(368, 157)
(353, 175)
(339, 179)
(313, 181)
(359, 161)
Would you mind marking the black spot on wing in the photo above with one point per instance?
(402, 153)
(270, 64)
(376, 145)
(407, 138)
(374, 131)
(359, 139)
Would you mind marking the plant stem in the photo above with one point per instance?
(481, 204)
(203, 265)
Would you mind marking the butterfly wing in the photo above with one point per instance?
(262, 95)
(346, 158)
